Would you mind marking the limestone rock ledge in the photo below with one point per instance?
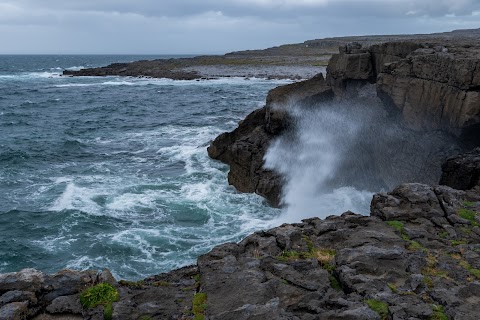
(428, 86)
(417, 256)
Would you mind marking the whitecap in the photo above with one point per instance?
(75, 68)
(67, 85)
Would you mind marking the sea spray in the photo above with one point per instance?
(309, 159)
(337, 155)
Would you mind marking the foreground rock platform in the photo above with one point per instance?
(416, 257)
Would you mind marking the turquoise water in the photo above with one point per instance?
(113, 172)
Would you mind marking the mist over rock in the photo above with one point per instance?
(388, 114)
(244, 148)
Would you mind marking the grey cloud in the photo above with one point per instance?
(259, 8)
(204, 26)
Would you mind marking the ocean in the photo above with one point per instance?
(113, 172)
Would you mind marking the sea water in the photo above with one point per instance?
(110, 172)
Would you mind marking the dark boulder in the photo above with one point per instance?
(463, 171)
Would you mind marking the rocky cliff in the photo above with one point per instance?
(429, 89)
(415, 257)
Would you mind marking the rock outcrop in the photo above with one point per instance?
(153, 69)
(435, 87)
(462, 171)
(428, 86)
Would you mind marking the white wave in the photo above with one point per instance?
(132, 81)
(312, 163)
(75, 197)
(132, 201)
(118, 83)
(75, 68)
(52, 244)
(138, 239)
(43, 74)
(67, 85)
(59, 180)
(197, 191)
(86, 262)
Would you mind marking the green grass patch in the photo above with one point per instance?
(108, 312)
(438, 313)
(334, 283)
(475, 272)
(393, 287)
(309, 242)
(289, 255)
(432, 270)
(101, 294)
(414, 246)
(398, 225)
(468, 204)
(379, 307)
(467, 214)
(428, 282)
(199, 305)
(457, 242)
(443, 234)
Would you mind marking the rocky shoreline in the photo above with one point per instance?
(427, 89)
(416, 256)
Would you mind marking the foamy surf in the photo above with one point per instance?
(110, 172)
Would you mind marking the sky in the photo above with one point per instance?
(213, 26)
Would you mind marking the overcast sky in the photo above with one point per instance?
(213, 26)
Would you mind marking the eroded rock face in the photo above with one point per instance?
(428, 87)
(435, 87)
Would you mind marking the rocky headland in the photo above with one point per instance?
(416, 256)
(291, 61)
